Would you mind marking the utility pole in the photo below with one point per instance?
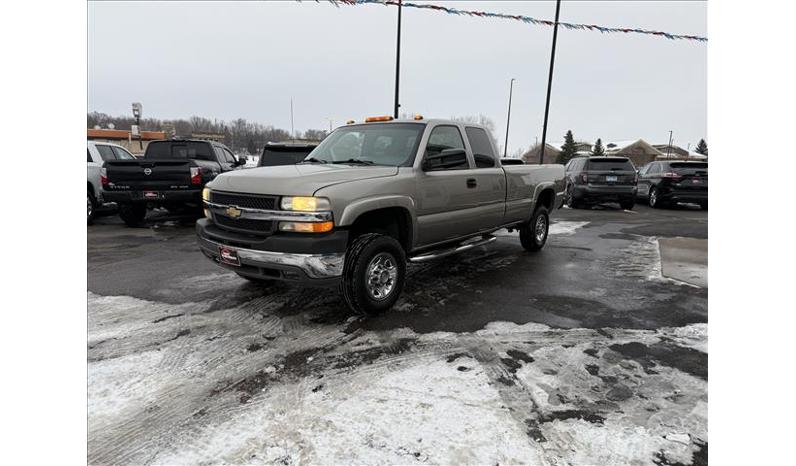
(508, 119)
(398, 61)
(549, 83)
(292, 130)
(669, 148)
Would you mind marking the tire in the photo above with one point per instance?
(627, 205)
(533, 235)
(704, 205)
(373, 256)
(132, 214)
(653, 198)
(92, 208)
(572, 202)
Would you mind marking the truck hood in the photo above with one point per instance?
(295, 180)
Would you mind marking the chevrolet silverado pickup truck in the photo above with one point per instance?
(171, 174)
(370, 198)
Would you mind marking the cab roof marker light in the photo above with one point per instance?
(349, 122)
(418, 117)
(378, 118)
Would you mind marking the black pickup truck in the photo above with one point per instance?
(171, 174)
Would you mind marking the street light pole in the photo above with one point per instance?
(669, 147)
(508, 119)
(397, 62)
(549, 83)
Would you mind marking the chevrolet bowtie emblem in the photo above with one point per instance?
(233, 212)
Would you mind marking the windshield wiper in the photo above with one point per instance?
(314, 160)
(355, 161)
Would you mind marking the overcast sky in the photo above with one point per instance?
(228, 60)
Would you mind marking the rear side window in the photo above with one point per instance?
(179, 150)
(228, 155)
(89, 155)
(482, 149)
(122, 154)
(106, 152)
(610, 164)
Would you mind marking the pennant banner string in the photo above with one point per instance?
(524, 19)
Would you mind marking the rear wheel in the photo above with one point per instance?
(572, 202)
(373, 274)
(133, 214)
(533, 235)
(92, 207)
(655, 203)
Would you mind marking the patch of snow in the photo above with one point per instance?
(565, 227)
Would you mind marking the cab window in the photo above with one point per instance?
(122, 154)
(442, 138)
(106, 152)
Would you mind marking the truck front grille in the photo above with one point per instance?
(245, 225)
(251, 201)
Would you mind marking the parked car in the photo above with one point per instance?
(284, 153)
(171, 174)
(507, 161)
(98, 153)
(369, 198)
(667, 182)
(592, 180)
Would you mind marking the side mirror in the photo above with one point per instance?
(242, 160)
(448, 158)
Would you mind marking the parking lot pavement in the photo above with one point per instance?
(588, 352)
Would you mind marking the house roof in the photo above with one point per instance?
(123, 134)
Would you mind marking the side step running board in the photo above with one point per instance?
(450, 251)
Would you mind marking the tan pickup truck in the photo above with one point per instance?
(370, 198)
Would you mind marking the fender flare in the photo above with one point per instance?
(356, 208)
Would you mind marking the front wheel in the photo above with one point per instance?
(373, 274)
(533, 235)
(133, 214)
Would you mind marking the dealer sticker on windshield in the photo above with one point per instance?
(228, 255)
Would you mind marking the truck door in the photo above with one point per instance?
(446, 193)
(490, 180)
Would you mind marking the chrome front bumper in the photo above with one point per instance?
(279, 265)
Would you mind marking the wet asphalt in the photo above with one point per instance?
(186, 359)
(595, 277)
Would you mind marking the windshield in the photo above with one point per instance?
(689, 168)
(380, 144)
(273, 156)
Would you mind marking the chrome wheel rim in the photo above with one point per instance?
(653, 197)
(540, 229)
(90, 206)
(381, 275)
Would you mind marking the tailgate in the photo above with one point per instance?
(612, 177)
(148, 174)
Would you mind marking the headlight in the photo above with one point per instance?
(206, 198)
(305, 204)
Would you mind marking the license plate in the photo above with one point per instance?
(610, 178)
(150, 195)
(228, 255)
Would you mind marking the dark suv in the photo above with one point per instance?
(284, 153)
(668, 182)
(592, 180)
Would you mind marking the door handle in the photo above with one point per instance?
(471, 183)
